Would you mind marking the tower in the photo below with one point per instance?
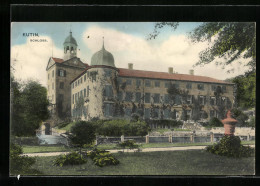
(70, 47)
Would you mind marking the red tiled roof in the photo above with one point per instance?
(165, 75)
(57, 60)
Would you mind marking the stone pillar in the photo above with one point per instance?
(96, 142)
(170, 138)
(147, 139)
(122, 138)
(211, 137)
(191, 138)
(248, 137)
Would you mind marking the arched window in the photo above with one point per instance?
(68, 48)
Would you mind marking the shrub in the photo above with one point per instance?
(20, 164)
(92, 154)
(122, 127)
(63, 124)
(82, 133)
(215, 122)
(104, 159)
(230, 146)
(73, 158)
(166, 123)
(240, 116)
(128, 144)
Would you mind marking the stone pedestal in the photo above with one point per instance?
(229, 124)
(147, 139)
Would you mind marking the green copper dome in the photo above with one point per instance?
(70, 40)
(103, 57)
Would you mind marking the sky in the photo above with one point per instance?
(127, 41)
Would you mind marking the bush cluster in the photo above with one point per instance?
(230, 146)
(20, 164)
(92, 154)
(121, 127)
(105, 158)
(128, 144)
(215, 122)
(72, 158)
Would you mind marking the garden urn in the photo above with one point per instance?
(229, 124)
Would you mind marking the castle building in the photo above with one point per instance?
(103, 91)
(60, 72)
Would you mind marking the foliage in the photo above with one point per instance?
(245, 90)
(230, 146)
(82, 133)
(122, 127)
(128, 144)
(251, 122)
(227, 38)
(62, 125)
(72, 158)
(105, 158)
(29, 107)
(240, 117)
(78, 109)
(92, 154)
(215, 122)
(20, 164)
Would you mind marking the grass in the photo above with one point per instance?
(67, 127)
(195, 162)
(36, 149)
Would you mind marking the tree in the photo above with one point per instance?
(82, 133)
(29, 107)
(230, 40)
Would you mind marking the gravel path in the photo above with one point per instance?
(134, 150)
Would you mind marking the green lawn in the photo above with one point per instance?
(193, 162)
(35, 149)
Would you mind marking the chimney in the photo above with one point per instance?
(191, 72)
(170, 70)
(130, 66)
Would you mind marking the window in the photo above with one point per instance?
(213, 87)
(156, 98)
(108, 91)
(73, 99)
(119, 80)
(200, 86)
(61, 85)
(52, 86)
(108, 73)
(81, 80)
(175, 85)
(78, 81)
(212, 113)
(128, 81)
(147, 83)
(75, 83)
(189, 86)
(167, 84)
(87, 91)
(72, 85)
(48, 76)
(61, 73)
(60, 97)
(188, 114)
(76, 97)
(85, 77)
(189, 99)
(120, 96)
(84, 92)
(166, 98)
(167, 113)
(137, 96)
(147, 112)
(128, 96)
(224, 89)
(138, 83)
(202, 100)
(147, 97)
(53, 73)
(155, 113)
(81, 93)
(157, 83)
(212, 100)
(52, 97)
(108, 109)
(128, 112)
(177, 99)
(223, 100)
